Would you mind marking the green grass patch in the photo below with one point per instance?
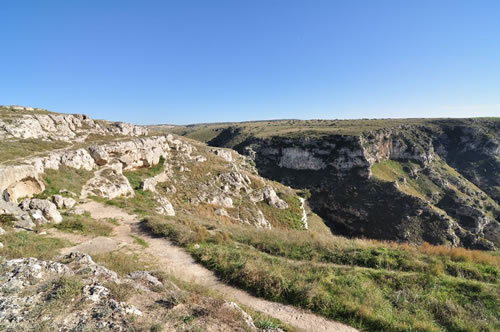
(29, 244)
(286, 218)
(65, 178)
(64, 290)
(10, 150)
(374, 300)
(85, 225)
(135, 177)
(140, 241)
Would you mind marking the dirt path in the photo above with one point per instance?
(180, 264)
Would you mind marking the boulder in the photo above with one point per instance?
(100, 155)
(68, 202)
(19, 181)
(269, 195)
(145, 277)
(2, 231)
(22, 218)
(63, 202)
(224, 154)
(166, 208)
(261, 221)
(58, 201)
(109, 182)
(47, 208)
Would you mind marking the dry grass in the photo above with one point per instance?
(122, 262)
(460, 254)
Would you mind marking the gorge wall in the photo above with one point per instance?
(438, 182)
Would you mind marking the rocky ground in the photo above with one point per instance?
(116, 202)
(76, 294)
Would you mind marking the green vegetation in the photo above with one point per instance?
(367, 284)
(286, 218)
(301, 128)
(457, 192)
(7, 220)
(135, 177)
(371, 299)
(143, 202)
(85, 225)
(11, 150)
(65, 178)
(140, 241)
(64, 290)
(28, 244)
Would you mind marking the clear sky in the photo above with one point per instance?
(190, 61)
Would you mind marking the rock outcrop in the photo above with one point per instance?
(19, 181)
(40, 124)
(134, 153)
(21, 295)
(76, 294)
(20, 218)
(108, 182)
(63, 202)
(224, 154)
(269, 195)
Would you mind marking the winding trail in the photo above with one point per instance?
(181, 265)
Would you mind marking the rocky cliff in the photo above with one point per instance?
(18, 122)
(435, 181)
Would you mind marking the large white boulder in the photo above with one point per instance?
(165, 207)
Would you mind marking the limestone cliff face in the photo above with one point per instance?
(403, 143)
(447, 190)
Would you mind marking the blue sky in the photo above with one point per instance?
(190, 61)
